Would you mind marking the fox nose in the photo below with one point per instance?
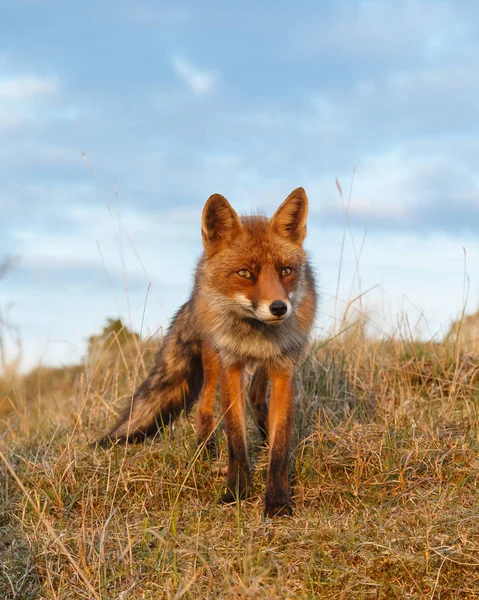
(278, 308)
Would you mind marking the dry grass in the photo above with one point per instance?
(385, 474)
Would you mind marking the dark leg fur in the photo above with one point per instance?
(257, 397)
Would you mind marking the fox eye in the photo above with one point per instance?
(245, 273)
(286, 271)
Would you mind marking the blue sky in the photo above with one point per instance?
(173, 101)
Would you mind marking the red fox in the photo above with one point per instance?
(252, 306)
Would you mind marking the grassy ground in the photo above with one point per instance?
(385, 479)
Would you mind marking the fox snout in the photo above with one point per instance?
(278, 308)
(272, 312)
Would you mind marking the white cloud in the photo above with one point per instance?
(75, 286)
(101, 236)
(363, 29)
(415, 275)
(28, 87)
(200, 82)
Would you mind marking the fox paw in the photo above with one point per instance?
(280, 507)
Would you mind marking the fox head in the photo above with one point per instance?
(255, 266)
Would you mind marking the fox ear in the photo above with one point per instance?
(219, 223)
(289, 221)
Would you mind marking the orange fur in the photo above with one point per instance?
(253, 305)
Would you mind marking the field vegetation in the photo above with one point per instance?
(384, 471)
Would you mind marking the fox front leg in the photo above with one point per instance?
(233, 402)
(205, 424)
(280, 425)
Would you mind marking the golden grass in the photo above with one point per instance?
(385, 480)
